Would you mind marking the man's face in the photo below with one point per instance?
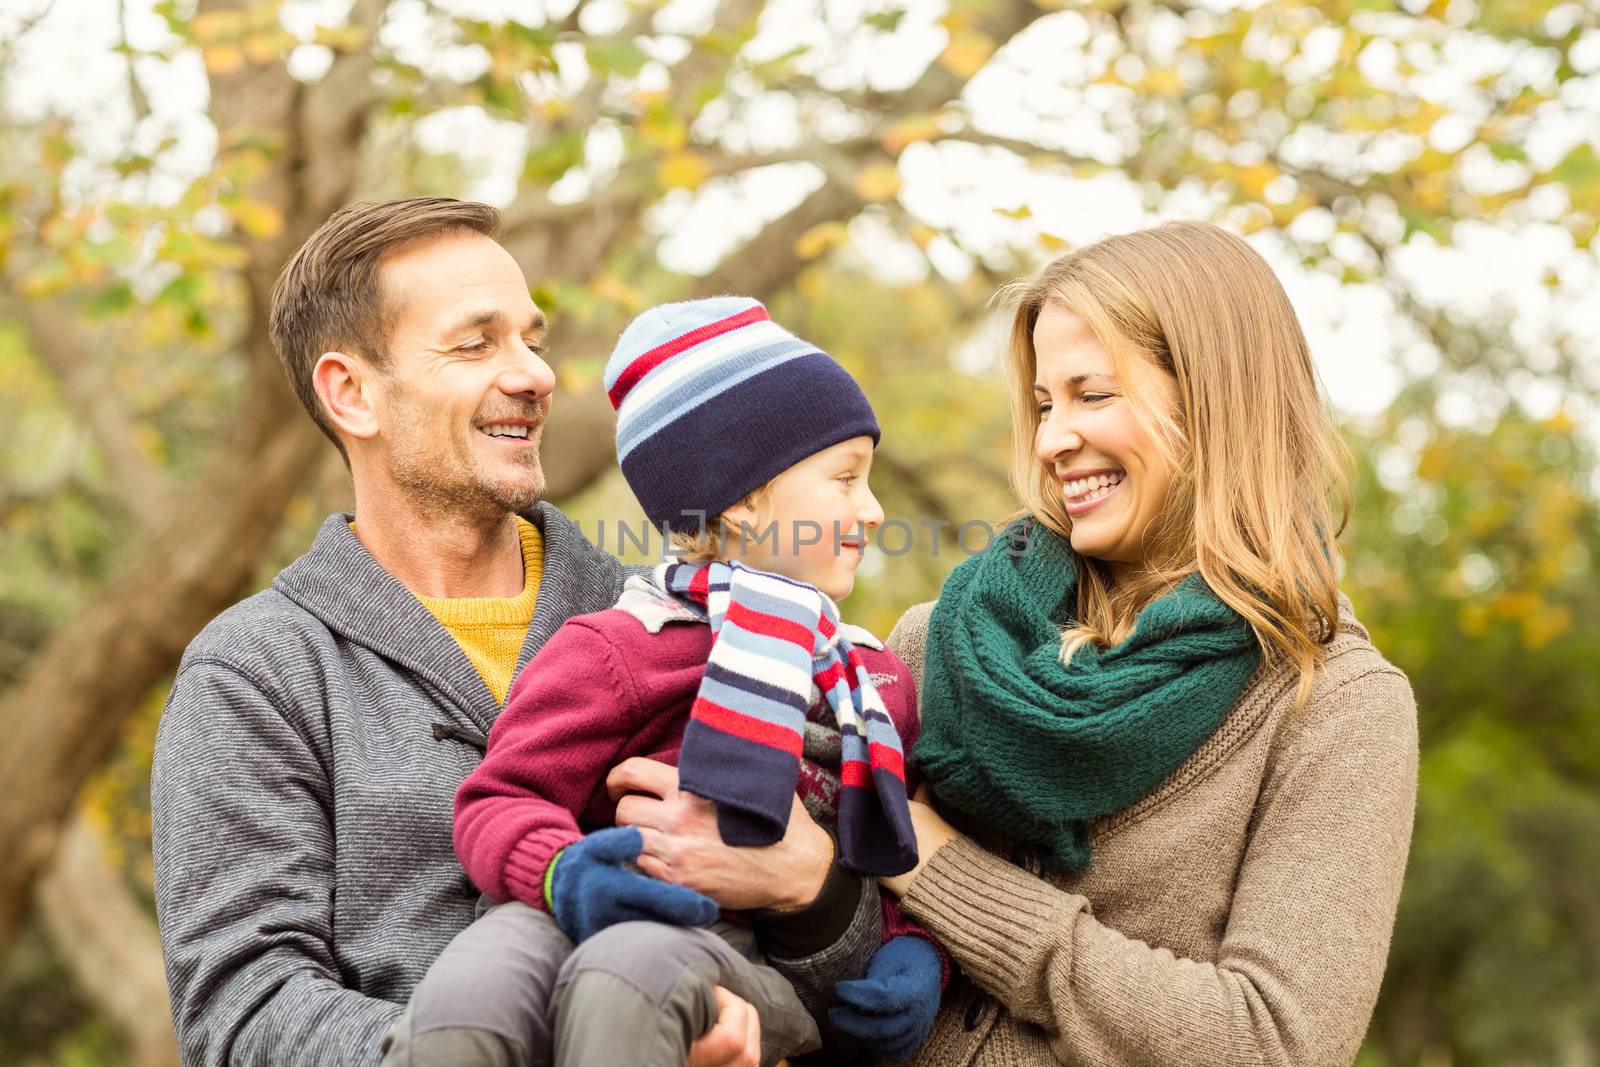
(463, 398)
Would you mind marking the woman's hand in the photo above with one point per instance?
(681, 843)
(734, 1040)
(933, 833)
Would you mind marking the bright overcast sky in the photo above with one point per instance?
(1359, 342)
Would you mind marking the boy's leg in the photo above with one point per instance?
(640, 993)
(485, 1001)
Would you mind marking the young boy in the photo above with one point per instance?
(753, 448)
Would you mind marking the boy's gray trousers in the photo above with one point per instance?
(512, 991)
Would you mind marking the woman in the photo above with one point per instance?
(1183, 776)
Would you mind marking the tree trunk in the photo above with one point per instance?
(61, 719)
(109, 944)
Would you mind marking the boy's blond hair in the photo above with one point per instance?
(711, 540)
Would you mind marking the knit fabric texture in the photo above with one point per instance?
(1011, 737)
(775, 641)
(1238, 914)
(490, 630)
(301, 800)
(714, 400)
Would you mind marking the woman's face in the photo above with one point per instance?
(1114, 477)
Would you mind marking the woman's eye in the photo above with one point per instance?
(849, 479)
(1095, 398)
(1042, 410)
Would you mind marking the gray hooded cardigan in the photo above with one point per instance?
(304, 775)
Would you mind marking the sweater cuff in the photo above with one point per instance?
(529, 860)
(991, 916)
(796, 932)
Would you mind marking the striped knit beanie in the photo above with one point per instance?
(714, 400)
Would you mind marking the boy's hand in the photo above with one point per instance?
(892, 1009)
(589, 888)
(734, 1040)
(933, 833)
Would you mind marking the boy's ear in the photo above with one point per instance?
(346, 385)
(745, 514)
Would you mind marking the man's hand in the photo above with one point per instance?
(682, 846)
(734, 1040)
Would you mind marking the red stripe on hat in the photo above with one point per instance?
(652, 359)
(747, 727)
(759, 622)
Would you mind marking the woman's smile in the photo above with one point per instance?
(1085, 491)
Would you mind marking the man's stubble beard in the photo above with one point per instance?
(442, 486)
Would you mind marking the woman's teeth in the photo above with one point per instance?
(1087, 490)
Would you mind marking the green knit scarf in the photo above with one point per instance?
(1018, 742)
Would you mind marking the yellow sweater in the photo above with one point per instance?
(489, 629)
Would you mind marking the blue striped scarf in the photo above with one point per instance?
(775, 642)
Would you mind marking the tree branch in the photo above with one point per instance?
(140, 487)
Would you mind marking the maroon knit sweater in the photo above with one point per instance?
(603, 689)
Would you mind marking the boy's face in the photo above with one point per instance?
(813, 521)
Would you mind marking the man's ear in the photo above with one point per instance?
(347, 387)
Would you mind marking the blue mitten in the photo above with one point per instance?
(891, 1010)
(588, 888)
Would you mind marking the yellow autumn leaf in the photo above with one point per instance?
(577, 375)
(660, 127)
(223, 59)
(340, 38)
(1163, 81)
(819, 239)
(967, 52)
(1541, 627)
(881, 181)
(902, 135)
(682, 170)
(265, 47)
(812, 284)
(1255, 179)
(258, 218)
(213, 26)
(610, 287)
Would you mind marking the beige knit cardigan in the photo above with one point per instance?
(1239, 914)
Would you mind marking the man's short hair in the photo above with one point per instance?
(330, 295)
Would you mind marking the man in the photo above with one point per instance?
(315, 733)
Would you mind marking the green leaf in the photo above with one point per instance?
(554, 158)
(616, 57)
(111, 300)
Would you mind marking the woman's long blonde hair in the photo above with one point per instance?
(1259, 491)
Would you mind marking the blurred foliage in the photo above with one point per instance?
(1472, 560)
(1343, 131)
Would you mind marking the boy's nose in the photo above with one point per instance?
(871, 515)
